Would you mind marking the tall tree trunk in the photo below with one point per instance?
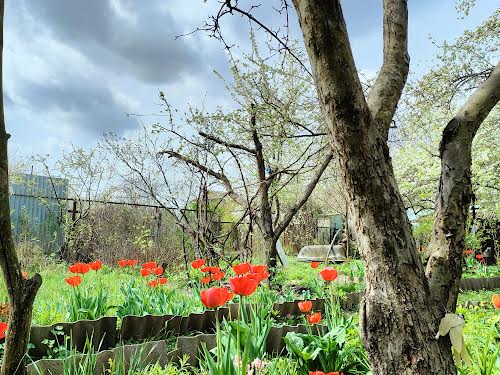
(397, 322)
(21, 291)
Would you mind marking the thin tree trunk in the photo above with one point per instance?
(271, 252)
(444, 268)
(21, 291)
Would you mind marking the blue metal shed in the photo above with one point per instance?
(36, 211)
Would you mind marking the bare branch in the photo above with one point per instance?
(280, 228)
(219, 176)
(227, 144)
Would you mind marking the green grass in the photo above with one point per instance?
(54, 295)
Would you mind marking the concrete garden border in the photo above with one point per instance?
(105, 335)
(156, 352)
(486, 283)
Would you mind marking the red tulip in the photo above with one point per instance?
(3, 328)
(198, 263)
(158, 271)
(145, 272)
(74, 281)
(495, 299)
(153, 284)
(132, 262)
(260, 270)
(314, 318)
(96, 266)
(214, 297)
(150, 265)
(79, 268)
(243, 285)
(162, 280)
(314, 265)
(217, 276)
(242, 268)
(469, 252)
(205, 280)
(305, 306)
(210, 269)
(329, 274)
(123, 263)
(254, 276)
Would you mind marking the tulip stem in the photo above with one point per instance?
(238, 336)
(217, 335)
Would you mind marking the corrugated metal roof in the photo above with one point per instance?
(35, 210)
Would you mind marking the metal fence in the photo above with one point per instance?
(33, 218)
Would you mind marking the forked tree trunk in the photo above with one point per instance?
(400, 313)
(21, 291)
(397, 321)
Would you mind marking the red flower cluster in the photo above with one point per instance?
(213, 273)
(152, 268)
(245, 282)
(79, 268)
(325, 373)
(3, 329)
(128, 262)
(306, 307)
(96, 266)
(314, 265)
(256, 272)
(198, 263)
(469, 252)
(208, 269)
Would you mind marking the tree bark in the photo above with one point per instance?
(21, 291)
(384, 96)
(444, 267)
(271, 253)
(397, 322)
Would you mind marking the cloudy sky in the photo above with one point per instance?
(74, 68)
